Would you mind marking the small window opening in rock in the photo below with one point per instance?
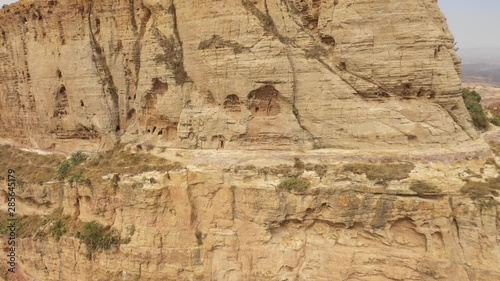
(117, 128)
(256, 109)
(135, 95)
(59, 73)
(154, 129)
(221, 143)
(81, 103)
(149, 131)
(129, 98)
(160, 132)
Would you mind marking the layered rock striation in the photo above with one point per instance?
(229, 74)
(207, 220)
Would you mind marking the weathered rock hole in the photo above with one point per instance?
(131, 114)
(342, 66)
(81, 103)
(62, 103)
(264, 101)
(412, 138)
(327, 39)
(159, 86)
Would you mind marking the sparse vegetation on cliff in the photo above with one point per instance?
(290, 171)
(472, 101)
(293, 183)
(119, 161)
(58, 229)
(96, 237)
(382, 171)
(495, 120)
(423, 188)
(34, 167)
(476, 190)
(66, 168)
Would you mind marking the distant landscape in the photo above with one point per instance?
(481, 65)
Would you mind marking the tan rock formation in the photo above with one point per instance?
(222, 221)
(232, 74)
(242, 75)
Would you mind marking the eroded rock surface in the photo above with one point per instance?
(213, 221)
(229, 74)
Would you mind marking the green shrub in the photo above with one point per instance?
(57, 229)
(79, 178)
(495, 120)
(423, 188)
(95, 236)
(472, 102)
(382, 171)
(294, 183)
(64, 169)
(78, 157)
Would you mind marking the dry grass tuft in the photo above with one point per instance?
(382, 171)
(121, 161)
(423, 188)
(296, 184)
(30, 167)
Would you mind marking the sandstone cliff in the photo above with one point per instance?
(228, 218)
(169, 81)
(232, 74)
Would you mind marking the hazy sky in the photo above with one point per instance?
(2, 2)
(474, 23)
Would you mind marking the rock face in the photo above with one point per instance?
(242, 75)
(229, 74)
(212, 222)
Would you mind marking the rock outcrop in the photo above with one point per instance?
(402, 188)
(213, 220)
(229, 74)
